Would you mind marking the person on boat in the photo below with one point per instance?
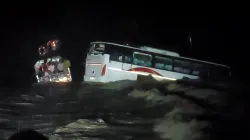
(51, 67)
(66, 65)
(41, 69)
(60, 65)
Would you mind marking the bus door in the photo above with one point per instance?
(126, 66)
(126, 63)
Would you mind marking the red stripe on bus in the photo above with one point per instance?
(146, 70)
(103, 70)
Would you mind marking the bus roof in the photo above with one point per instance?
(160, 51)
(175, 55)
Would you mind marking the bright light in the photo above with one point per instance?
(37, 78)
(136, 72)
(69, 74)
(64, 79)
(161, 77)
(53, 44)
(92, 78)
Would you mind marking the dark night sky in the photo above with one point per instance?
(222, 39)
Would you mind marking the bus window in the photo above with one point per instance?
(181, 66)
(142, 59)
(163, 63)
(113, 54)
(120, 57)
(199, 70)
(127, 55)
(196, 69)
(127, 59)
(97, 48)
(118, 53)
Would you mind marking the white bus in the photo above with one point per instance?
(106, 62)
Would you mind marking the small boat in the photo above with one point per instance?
(52, 67)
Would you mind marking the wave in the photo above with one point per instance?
(143, 109)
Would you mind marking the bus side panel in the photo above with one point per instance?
(115, 72)
(164, 73)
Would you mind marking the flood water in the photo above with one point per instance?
(120, 110)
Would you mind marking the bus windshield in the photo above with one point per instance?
(97, 48)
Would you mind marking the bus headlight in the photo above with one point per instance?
(92, 78)
(63, 79)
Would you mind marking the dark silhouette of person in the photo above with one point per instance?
(28, 135)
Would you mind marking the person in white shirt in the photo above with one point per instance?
(60, 66)
(51, 68)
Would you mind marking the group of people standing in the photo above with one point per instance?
(49, 67)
